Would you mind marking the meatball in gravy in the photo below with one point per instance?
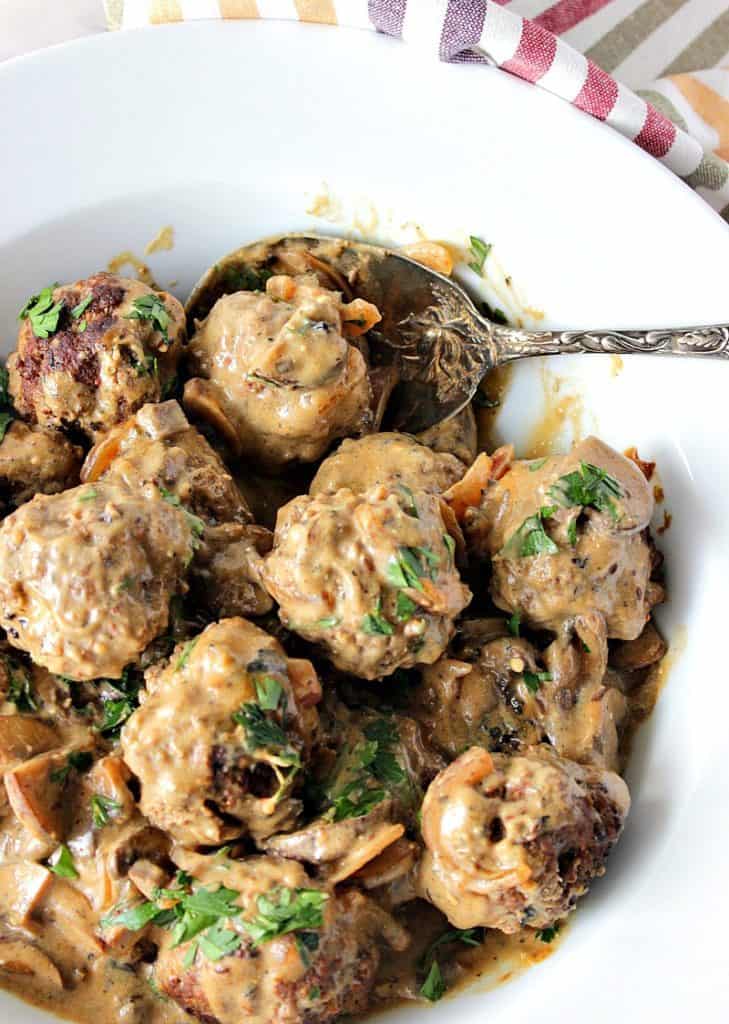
(513, 841)
(86, 576)
(89, 354)
(35, 461)
(371, 577)
(277, 371)
(245, 717)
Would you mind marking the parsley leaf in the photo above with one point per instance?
(42, 312)
(531, 538)
(589, 486)
(284, 911)
(102, 809)
(412, 508)
(264, 734)
(534, 680)
(197, 526)
(478, 251)
(61, 863)
(82, 306)
(89, 494)
(409, 565)
(572, 532)
(151, 307)
(20, 687)
(4, 380)
(536, 464)
(6, 418)
(118, 708)
(404, 607)
(327, 623)
(218, 942)
(548, 934)
(433, 988)
(375, 624)
(514, 624)
(450, 544)
(384, 765)
(80, 760)
(185, 654)
(268, 693)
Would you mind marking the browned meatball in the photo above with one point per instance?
(158, 449)
(566, 535)
(35, 461)
(388, 458)
(86, 576)
(90, 353)
(219, 741)
(458, 435)
(513, 841)
(312, 974)
(277, 373)
(496, 691)
(370, 577)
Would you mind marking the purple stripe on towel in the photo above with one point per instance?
(387, 15)
(462, 28)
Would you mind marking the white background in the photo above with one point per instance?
(31, 24)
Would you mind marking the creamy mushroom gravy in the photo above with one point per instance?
(401, 783)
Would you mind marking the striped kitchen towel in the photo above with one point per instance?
(631, 63)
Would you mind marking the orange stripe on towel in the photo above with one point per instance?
(165, 10)
(709, 105)
(239, 8)
(321, 11)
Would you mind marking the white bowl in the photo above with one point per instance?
(227, 132)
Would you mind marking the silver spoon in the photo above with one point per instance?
(431, 331)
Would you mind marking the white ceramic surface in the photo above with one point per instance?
(227, 132)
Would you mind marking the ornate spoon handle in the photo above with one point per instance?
(513, 343)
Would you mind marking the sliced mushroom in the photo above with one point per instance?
(364, 851)
(35, 791)
(19, 957)
(199, 399)
(645, 650)
(134, 840)
(392, 864)
(148, 877)
(323, 841)
(22, 738)
(22, 888)
(109, 777)
(73, 915)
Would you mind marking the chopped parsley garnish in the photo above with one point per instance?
(119, 707)
(264, 734)
(450, 544)
(329, 622)
(572, 532)
(103, 808)
(306, 943)
(89, 494)
(169, 387)
(268, 693)
(197, 526)
(514, 624)
(404, 607)
(83, 305)
(531, 538)
(412, 508)
(195, 915)
(285, 911)
(246, 279)
(375, 624)
(314, 993)
(589, 486)
(536, 464)
(548, 934)
(534, 680)
(433, 988)
(6, 418)
(77, 760)
(61, 863)
(4, 381)
(409, 565)
(185, 654)
(42, 312)
(478, 251)
(375, 772)
(20, 688)
(151, 307)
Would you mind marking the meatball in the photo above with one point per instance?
(314, 973)
(218, 743)
(89, 354)
(158, 449)
(35, 461)
(458, 436)
(371, 577)
(86, 576)
(497, 691)
(513, 841)
(277, 373)
(567, 535)
(391, 459)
